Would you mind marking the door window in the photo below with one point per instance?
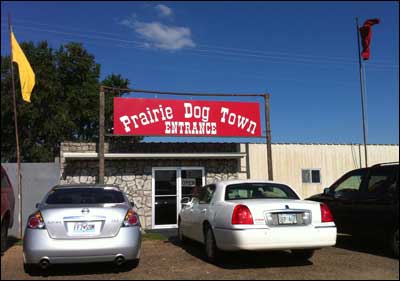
(349, 185)
(165, 197)
(206, 194)
(381, 182)
(191, 179)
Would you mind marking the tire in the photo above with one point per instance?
(395, 244)
(4, 235)
(303, 254)
(212, 252)
(181, 237)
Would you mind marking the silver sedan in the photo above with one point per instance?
(82, 223)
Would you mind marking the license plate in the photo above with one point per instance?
(84, 228)
(287, 219)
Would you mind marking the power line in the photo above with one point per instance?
(215, 49)
(80, 35)
(279, 53)
(227, 48)
(214, 53)
(63, 27)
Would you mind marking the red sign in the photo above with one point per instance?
(157, 117)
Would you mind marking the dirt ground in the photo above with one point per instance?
(170, 259)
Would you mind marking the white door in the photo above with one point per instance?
(170, 185)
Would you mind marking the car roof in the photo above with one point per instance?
(389, 164)
(386, 164)
(228, 182)
(67, 186)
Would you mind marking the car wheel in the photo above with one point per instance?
(4, 235)
(395, 243)
(303, 254)
(212, 252)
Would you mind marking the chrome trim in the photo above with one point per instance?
(269, 220)
(328, 226)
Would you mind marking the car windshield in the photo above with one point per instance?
(84, 196)
(259, 191)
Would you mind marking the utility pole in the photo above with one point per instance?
(268, 137)
(101, 136)
(16, 136)
(362, 94)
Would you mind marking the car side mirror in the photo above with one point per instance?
(132, 204)
(186, 202)
(327, 191)
(37, 205)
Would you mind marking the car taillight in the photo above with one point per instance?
(131, 219)
(326, 215)
(36, 221)
(242, 215)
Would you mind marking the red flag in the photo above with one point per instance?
(366, 34)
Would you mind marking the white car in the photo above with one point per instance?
(255, 215)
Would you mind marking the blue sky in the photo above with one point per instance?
(303, 53)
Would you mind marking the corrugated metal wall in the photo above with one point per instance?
(36, 180)
(332, 161)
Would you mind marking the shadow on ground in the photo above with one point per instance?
(364, 244)
(242, 259)
(12, 241)
(80, 269)
(236, 260)
(374, 245)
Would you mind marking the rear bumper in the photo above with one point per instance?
(38, 245)
(278, 238)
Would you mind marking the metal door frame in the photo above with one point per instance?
(178, 171)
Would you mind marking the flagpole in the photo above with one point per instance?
(362, 93)
(16, 135)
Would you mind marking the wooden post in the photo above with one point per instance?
(101, 136)
(248, 175)
(16, 137)
(268, 137)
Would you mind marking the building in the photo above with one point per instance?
(156, 176)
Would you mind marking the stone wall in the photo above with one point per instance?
(135, 176)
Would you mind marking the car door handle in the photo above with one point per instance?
(204, 210)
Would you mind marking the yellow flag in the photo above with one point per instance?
(26, 74)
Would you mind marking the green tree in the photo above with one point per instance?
(64, 101)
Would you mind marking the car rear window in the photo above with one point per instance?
(84, 196)
(259, 191)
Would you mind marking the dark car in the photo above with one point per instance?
(366, 202)
(7, 207)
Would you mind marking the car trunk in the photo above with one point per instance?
(84, 221)
(280, 212)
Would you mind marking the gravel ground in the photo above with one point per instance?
(170, 259)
